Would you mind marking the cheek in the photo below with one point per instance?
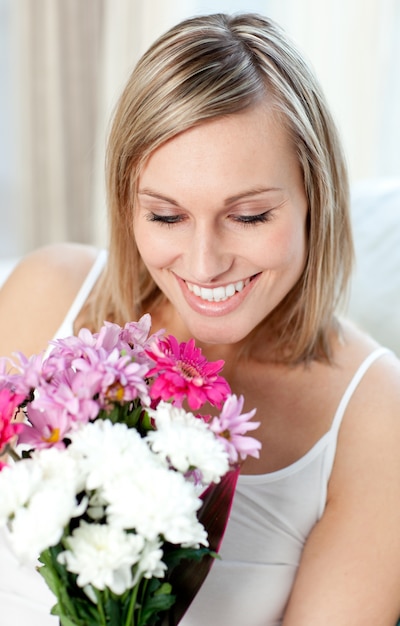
(154, 248)
(286, 248)
(297, 245)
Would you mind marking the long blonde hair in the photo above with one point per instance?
(203, 68)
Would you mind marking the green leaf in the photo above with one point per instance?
(72, 607)
(114, 609)
(145, 422)
(164, 588)
(173, 556)
(66, 621)
(49, 573)
(155, 602)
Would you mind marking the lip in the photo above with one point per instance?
(215, 309)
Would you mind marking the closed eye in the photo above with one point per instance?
(169, 220)
(252, 220)
(245, 220)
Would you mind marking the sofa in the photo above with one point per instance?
(374, 299)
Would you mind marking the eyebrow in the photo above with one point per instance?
(154, 194)
(240, 196)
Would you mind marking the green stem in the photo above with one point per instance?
(142, 597)
(101, 611)
(130, 620)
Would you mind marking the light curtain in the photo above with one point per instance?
(72, 59)
(129, 27)
(74, 56)
(58, 51)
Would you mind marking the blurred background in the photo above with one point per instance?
(64, 62)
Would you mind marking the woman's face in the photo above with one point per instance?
(221, 224)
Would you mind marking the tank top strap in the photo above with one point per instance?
(82, 295)
(355, 381)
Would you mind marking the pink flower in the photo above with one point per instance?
(66, 350)
(108, 337)
(130, 340)
(9, 401)
(72, 392)
(232, 426)
(135, 337)
(85, 345)
(26, 373)
(182, 371)
(121, 379)
(47, 429)
(5, 364)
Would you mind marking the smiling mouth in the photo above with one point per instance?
(218, 294)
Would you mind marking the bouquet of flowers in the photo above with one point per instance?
(112, 470)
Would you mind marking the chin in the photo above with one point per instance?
(220, 334)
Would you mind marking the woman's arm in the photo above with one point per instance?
(350, 570)
(37, 295)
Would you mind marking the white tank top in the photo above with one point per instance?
(271, 518)
(67, 326)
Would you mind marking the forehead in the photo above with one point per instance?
(252, 147)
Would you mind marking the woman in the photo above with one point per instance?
(229, 222)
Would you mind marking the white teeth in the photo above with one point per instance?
(206, 294)
(219, 293)
(230, 290)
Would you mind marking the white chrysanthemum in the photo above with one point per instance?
(104, 450)
(17, 483)
(59, 468)
(41, 523)
(156, 502)
(187, 443)
(39, 520)
(151, 563)
(102, 556)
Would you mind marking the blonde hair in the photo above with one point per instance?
(203, 68)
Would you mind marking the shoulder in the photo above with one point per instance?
(55, 270)
(68, 256)
(38, 294)
(351, 562)
(380, 382)
(370, 433)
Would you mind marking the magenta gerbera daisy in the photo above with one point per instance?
(9, 402)
(181, 371)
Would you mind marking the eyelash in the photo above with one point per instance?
(245, 220)
(167, 220)
(254, 220)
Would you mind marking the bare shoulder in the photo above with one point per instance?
(379, 388)
(351, 562)
(38, 294)
(367, 453)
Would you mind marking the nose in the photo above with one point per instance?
(209, 256)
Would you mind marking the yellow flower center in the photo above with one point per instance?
(53, 437)
(116, 392)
